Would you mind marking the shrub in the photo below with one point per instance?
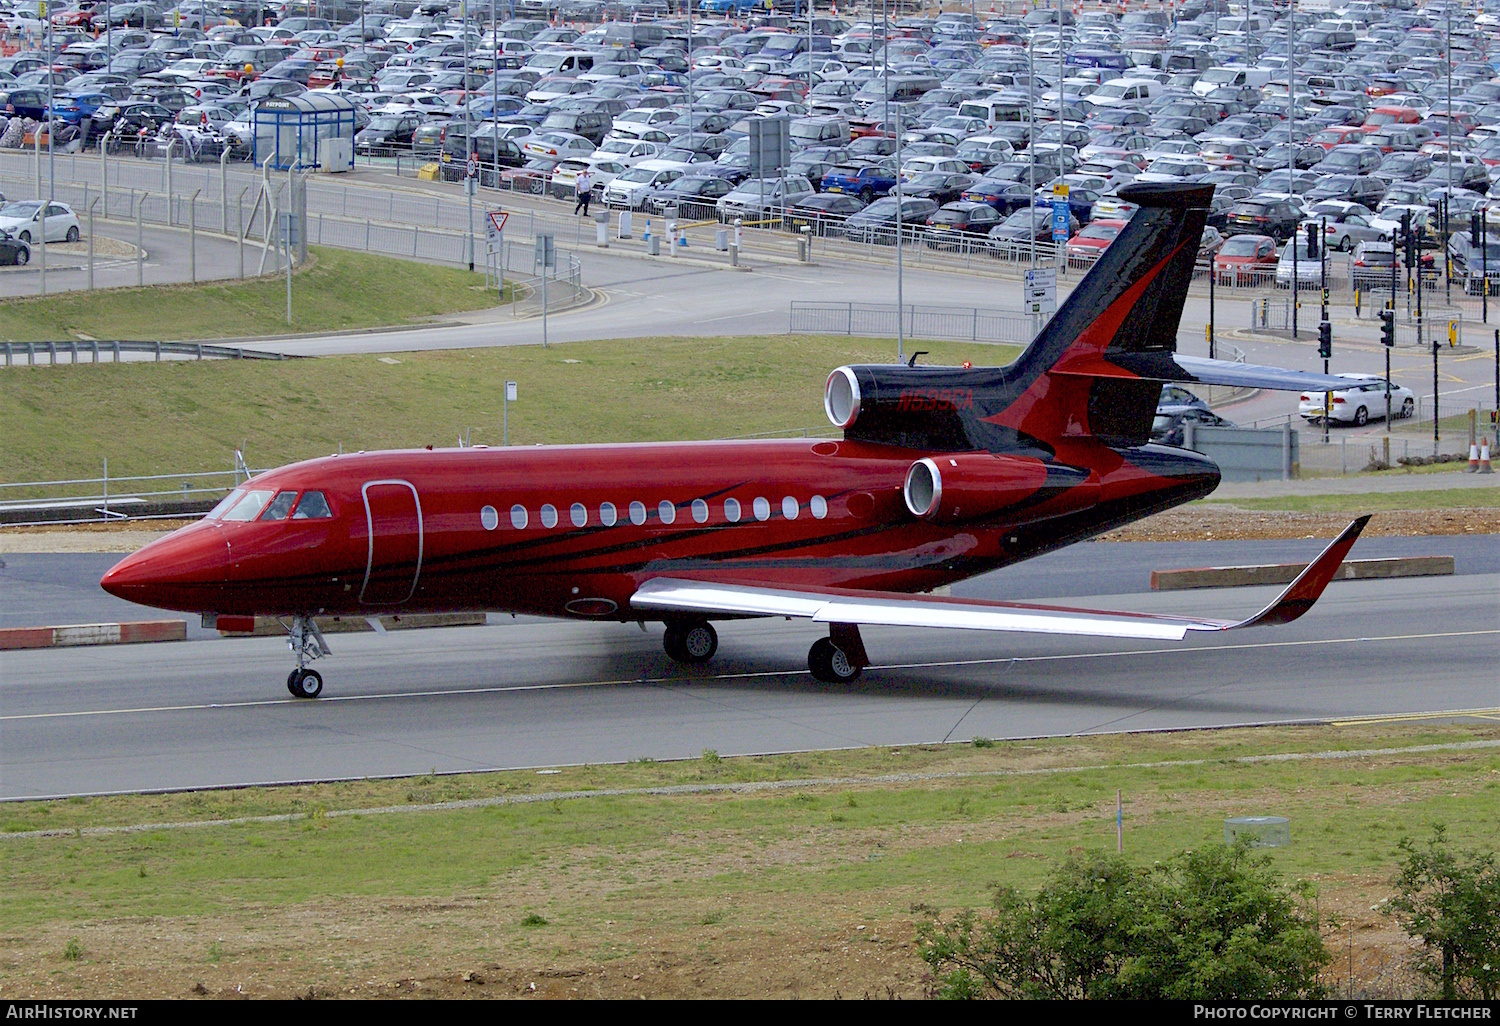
(1214, 924)
(1450, 901)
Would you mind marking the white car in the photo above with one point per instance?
(565, 175)
(631, 188)
(628, 151)
(921, 165)
(23, 220)
(1361, 402)
(754, 198)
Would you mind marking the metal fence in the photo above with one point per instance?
(971, 324)
(107, 498)
(1444, 326)
(91, 351)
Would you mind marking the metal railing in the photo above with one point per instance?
(95, 348)
(878, 320)
(116, 498)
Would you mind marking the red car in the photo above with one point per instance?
(1246, 259)
(1084, 248)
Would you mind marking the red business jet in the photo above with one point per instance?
(942, 473)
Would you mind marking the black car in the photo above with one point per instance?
(1366, 190)
(387, 133)
(957, 223)
(1258, 215)
(695, 188)
(13, 250)
(1404, 167)
(1003, 196)
(877, 222)
(1171, 429)
(939, 186)
(823, 213)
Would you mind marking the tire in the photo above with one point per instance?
(1408, 409)
(73, 234)
(1361, 417)
(1346, 245)
(828, 663)
(22, 256)
(305, 683)
(866, 195)
(26, 238)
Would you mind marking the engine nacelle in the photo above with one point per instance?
(970, 486)
(899, 393)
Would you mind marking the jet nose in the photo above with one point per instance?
(185, 570)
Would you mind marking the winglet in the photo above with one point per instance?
(1300, 595)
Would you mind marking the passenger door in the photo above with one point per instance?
(393, 524)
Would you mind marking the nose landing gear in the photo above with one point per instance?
(304, 638)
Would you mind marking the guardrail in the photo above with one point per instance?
(96, 347)
(970, 324)
(108, 499)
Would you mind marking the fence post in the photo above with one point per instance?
(140, 265)
(414, 230)
(170, 144)
(104, 173)
(91, 251)
(850, 329)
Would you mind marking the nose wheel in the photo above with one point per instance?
(692, 641)
(305, 683)
(304, 638)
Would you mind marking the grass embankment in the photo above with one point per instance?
(806, 889)
(338, 291)
(1368, 502)
(177, 417)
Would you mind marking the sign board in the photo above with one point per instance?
(510, 391)
(546, 253)
(770, 145)
(494, 229)
(1041, 291)
(473, 168)
(1060, 220)
(1060, 191)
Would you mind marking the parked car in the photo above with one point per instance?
(756, 198)
(1361, 402)
(1295, 256)
(1175, 399)
(955, 224)
(824, 213)
(1260, 215)
(866, 181)
(23, 219)
(1171, 428)
(1245, 259)
(1085, 247)
(877, 222)
(13, 250)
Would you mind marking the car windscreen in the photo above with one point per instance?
(1240, 246)
(21, 210)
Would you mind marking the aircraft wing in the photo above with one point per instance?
(842, 605)
(1167, 366)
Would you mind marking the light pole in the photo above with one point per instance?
(1291, 164)
(885, 78)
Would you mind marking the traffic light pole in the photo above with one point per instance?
(1484, 250)
(1325, 329)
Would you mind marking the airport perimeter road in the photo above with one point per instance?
(204, 713)
(169, 261)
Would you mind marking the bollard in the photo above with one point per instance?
(734, 255)
(1484, 457)
(1473, 458)
(807, 240)
(802, 251)
(653, 245)
(601, 230)
(624, 224)
(721, 240)
(739, 233)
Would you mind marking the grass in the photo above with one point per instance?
(581, 882)
(338, 291)
(178, 417)
(1437, 498)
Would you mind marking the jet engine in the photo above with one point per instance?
(971, 486)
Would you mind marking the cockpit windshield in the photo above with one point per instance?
(244, 504)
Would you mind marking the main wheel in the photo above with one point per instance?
(830, 664)
(305, 683)
(1408, 408)
(1361, 416)
(694, 642)
(73, 234)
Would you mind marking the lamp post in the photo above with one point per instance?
(885, 77)
(1291, 156)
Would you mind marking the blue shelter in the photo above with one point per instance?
(312, 128)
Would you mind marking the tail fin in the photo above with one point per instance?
(1127, 307)
(1094, 371)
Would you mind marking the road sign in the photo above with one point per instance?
(1041, 291)
(473, 168)
(1060, 191)
(494, 229)
(510, 391)
(1060, 220)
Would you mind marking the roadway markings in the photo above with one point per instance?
(756, 675)
(1478, 714)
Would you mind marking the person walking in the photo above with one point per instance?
(585, 187)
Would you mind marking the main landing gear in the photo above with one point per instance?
(690, 641)
(838, 658)
(304, 638)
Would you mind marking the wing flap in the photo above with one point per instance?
(845, 605)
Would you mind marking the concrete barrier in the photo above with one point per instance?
(93, 634)
(1285, 573)
(269, 626)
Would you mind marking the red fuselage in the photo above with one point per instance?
(575, 530)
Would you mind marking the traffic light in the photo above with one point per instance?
(1407, 239)
(1312, 240)
(1476, 230)
(1325, 340)
(1388, 327)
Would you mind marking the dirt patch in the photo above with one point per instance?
(1228, 523)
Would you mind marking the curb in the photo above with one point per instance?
(1285, 573)
(93, 634)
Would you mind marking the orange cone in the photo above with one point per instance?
(1484, 458)
(1473, 458)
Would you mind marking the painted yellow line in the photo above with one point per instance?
(758, 675)
(1485, 714)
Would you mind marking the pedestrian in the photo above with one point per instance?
(585, 187)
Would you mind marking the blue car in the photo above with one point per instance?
(865, 181)
(72, 108)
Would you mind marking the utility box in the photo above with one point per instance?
(1260, 831)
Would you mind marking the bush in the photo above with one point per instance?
(1451, 902)
(1215, 924)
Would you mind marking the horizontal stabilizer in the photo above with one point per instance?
(841, 605)
(1165, 366)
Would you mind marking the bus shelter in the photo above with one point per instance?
(315, 128)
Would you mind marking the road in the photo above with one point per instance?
(537, 693)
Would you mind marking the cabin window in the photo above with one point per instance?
(249, 506)
(789, 508)
(224, 504)
(762, 508)
(518, 518)
(700, 511)
(549, 516)
(314, 506)
(732, 510)
(819, 507)
(666, 511)
(607, 514)
(489, 518)
(578, 514)
(638, 513)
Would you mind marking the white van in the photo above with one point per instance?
(1127, 92)
(1235, 76)
(993, 112)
